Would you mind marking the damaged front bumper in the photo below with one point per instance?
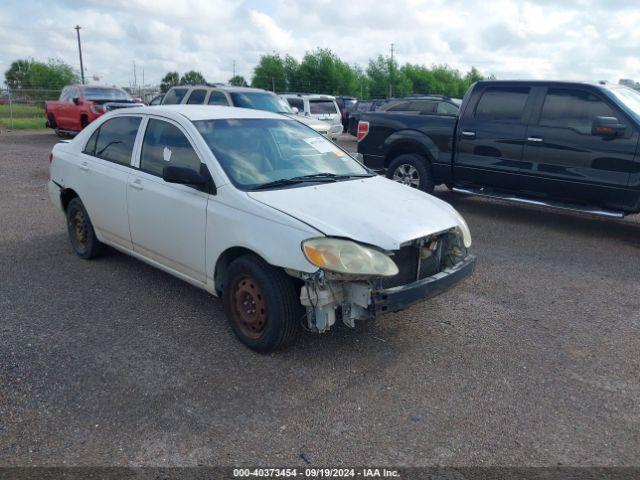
(398, 298)
(327, 301)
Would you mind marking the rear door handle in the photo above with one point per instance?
(84, 166)
(534, 139)
(137, 184)
(468, 133)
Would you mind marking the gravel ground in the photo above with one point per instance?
(532, 361)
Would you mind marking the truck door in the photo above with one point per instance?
(566, 160)
(490, 138)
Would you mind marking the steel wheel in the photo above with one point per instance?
(407, 175)
(249, 310)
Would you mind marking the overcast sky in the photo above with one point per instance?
(582, 39)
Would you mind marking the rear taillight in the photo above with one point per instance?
(363, 130)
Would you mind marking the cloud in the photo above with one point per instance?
(580, 39)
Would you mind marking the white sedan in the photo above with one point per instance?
(259, 209)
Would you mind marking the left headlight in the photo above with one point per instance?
(344, 256)
(464, 228)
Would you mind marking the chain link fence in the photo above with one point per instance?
(24, 108)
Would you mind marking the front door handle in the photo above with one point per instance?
(84, 166)
(534, 139)
(468, 133)
(137, 184)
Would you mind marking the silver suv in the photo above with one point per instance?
(244, 97)
(320, 107)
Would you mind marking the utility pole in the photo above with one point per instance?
(135, 77)
(391, 74)
(77, 29)
(234, 69)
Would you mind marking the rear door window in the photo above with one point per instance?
(445, 108)
(197, 97)
(502, 104)
(174, 96)
(573, 109)
(165, 145)
(114, 140)
(422, 106)
(218, 98)
(322, 106)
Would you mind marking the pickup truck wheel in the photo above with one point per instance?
(81, 234)
(412, 170)
(261, 304)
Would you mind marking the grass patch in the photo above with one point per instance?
(23, 123)
(21, 110)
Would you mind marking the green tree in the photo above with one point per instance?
(18, 73)
(270, 73)
(238, 81)
(171, 79)
(382, 73)
(192, 78)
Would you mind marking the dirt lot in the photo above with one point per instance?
(534, 360)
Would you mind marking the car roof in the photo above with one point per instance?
(310, 96)
(202, 112)
(226, 88)
(545, 83)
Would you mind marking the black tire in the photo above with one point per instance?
(413, 170)
(261, 304)
(81, 234)
(52, 121)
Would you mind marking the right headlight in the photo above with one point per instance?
(347, 257)
(464, 228)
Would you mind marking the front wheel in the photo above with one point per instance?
(261, 304)
(412, 170)
(81, 233)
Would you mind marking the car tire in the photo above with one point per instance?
(51, 120)
(81, 233)
(413, 170)
(261, 304)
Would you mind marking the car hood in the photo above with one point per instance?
(375, 210)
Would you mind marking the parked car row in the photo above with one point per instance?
(561, 144)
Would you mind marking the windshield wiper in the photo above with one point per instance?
(277, 183)
(313, 177)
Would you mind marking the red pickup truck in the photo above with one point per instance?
(79, 105)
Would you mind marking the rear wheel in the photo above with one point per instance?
(412, 170)
(261, 304)
(81, 234)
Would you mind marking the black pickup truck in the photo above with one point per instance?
(560, 144)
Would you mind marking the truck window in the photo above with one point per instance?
(174, 96)
(445, 108)
(114, 140)
(502, 104)
(574, 109)
(422, 106)
(197, 97)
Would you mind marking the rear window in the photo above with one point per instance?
(174, 96)
(93, 93)
(322, 106)
(504, 104)
(297, 103)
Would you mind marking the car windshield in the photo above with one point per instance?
(322, 106)
(260, 101)
(93, 93)
(628, 96)
(257, 152)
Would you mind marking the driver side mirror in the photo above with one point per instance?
(186, 176)
(607, 127)
(76, 100)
